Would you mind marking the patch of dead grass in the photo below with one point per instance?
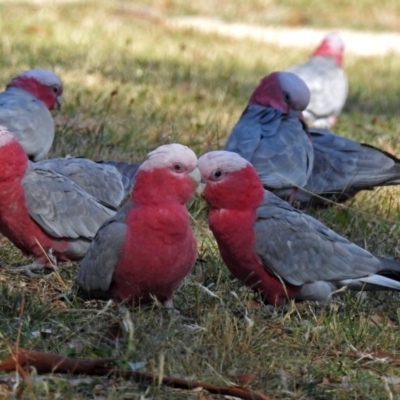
(130, 85)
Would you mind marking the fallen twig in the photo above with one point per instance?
(54, 363)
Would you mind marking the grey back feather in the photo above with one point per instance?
(301, 250)
(60, 206)
(96, 270)
(126, 170)
(342, 167)
(108, 181)
(276, 144)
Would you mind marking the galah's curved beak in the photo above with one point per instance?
(200, 188)
(195, 175)
(59, 101)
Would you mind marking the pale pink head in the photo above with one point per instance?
(228, 181)
(43, 84)
(331, 46)
(168, 174)
(284, 91)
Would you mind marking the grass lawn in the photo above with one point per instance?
(132, 84)
(357, 14)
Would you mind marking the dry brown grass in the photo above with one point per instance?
(132, 84)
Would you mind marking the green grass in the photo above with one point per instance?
(131, 84)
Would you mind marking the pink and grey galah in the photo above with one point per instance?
(324, 75)
(43, 213)
(24, 110)
(272, 136)
(148, 247)
(279, 251)
(343, 167)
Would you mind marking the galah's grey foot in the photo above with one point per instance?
(34, 270)
(169, 305)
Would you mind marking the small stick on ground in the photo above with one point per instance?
(54, 363)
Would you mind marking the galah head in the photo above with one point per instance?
(45, 85)
(331, 46)
(228, 181)
(13, 159)
(169, 173)
(284, 91)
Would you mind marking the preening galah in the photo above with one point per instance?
(108, 181)
(24, 110)
(271, 135)
(324, 75)
(343, 167)
(148, 247)
(43, 213)
(279, 251)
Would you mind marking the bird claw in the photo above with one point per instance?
(169, 306)
(27, 270)
(52, 258)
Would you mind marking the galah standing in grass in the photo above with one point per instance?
(343, 167)
(279, 251)
(24, 110)
(108, 181)
(271, 135)
(327, 81)
(43, 213)
(148, 247)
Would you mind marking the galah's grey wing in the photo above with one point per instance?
(274, 144)
(61, 207)
(127, 171)
(28, 120)
(342, 167)
(287, 156)
(301, 250)
(103, 181)
(97, 267)
(246, 134)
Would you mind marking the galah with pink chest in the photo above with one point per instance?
(43, 213)
(24, 110)
(279, 251)
(148, 247)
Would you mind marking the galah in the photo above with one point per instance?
(343, 167)
(271, 135)
(279, 251)
(324, 75)
(24, 110)
(43, 213)
(108, 181)
(148, 247)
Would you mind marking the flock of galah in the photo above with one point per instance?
(128, 223)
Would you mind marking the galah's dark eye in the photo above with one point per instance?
(287, 96)
(217, 174)
(178, 167)
(55, 89)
